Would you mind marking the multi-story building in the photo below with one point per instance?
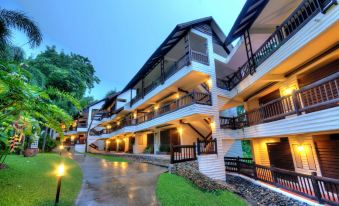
(271, 82)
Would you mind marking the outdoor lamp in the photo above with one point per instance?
(177, 95)
(301, 148)
(59, 173)
(209, 82)
(61, 147)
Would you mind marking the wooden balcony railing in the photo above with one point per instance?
(199, 57)
(322, 189)
(320, 95)
(182, 153)
(207, 147)
(186, 100)
(178, 65)
(301, 15)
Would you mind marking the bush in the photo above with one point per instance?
(149, 149)
(50, 143)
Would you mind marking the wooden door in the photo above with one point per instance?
(328, 156)
(280, 155)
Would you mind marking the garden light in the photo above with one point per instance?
(59, 173)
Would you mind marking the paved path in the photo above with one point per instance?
(117, 183)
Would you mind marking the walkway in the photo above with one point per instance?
(117, 183)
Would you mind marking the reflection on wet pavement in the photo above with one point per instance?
(117, 183)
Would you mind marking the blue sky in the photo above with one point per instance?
(118, 36)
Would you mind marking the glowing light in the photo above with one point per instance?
(107, 142)
(60, 170)
(61, 147)
(209, 83)
(126, 139)
(108, 126)
(135, 114)
(180, 130)
(118, 141)
(301, 148)
(72, 138)
(156, 107)
(118, 123)
(212, 124)
(289, 90)
(177, 95)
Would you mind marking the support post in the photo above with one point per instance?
(172, 154)
(194, 152)
(296, 103)
(198, 146)
(142, 88)
(187, 48)
(162, 68)
(316, 188)
(254, 170)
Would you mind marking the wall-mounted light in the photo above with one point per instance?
(288, 90)
(135, 115)
(212, 125)
(177, 95)
(108, 126)
(118, 123)
(301, 148)
(209, 83)
(180, 130)
(156, 107)
(72, 138)
(118, 141)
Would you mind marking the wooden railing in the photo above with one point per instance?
(301, 15)
(178, 65)
(182, 153)
(317, 96)
(322, 189)
(199, 57)
(186, 100)
(207, 147)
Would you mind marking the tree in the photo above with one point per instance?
(71, 73)
(18, 20)
(24, 108)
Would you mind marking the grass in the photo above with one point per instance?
(32, 181)
(108, 157)
(174, 190)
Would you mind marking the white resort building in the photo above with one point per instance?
(262, 101)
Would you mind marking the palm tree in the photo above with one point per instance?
(18, 20)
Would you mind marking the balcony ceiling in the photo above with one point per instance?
(178, 33)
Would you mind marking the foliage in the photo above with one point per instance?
(240, 110)
(49, 145)
(24, 107)
(149, 149)
(246, 148)
(175, 190)
(111, 92)
(17, 20)
(71, 73)
(11, 53)
(32, 181)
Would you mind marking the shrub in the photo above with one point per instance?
(50, 143)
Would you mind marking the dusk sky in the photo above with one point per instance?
(118, 36)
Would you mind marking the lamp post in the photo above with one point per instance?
(61, 147)
(60, 172)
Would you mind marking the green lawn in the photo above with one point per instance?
(108, 157)
(32, 181)
(175, 190)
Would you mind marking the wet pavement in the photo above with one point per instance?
(117, 183)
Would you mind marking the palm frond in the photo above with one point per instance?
(20, 21)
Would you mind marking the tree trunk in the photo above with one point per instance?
(44, 141)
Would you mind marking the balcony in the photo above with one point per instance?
(297, 20)
(317, 96)
(181, 102)
(321, 189)
(184, 101)
(178, 65)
